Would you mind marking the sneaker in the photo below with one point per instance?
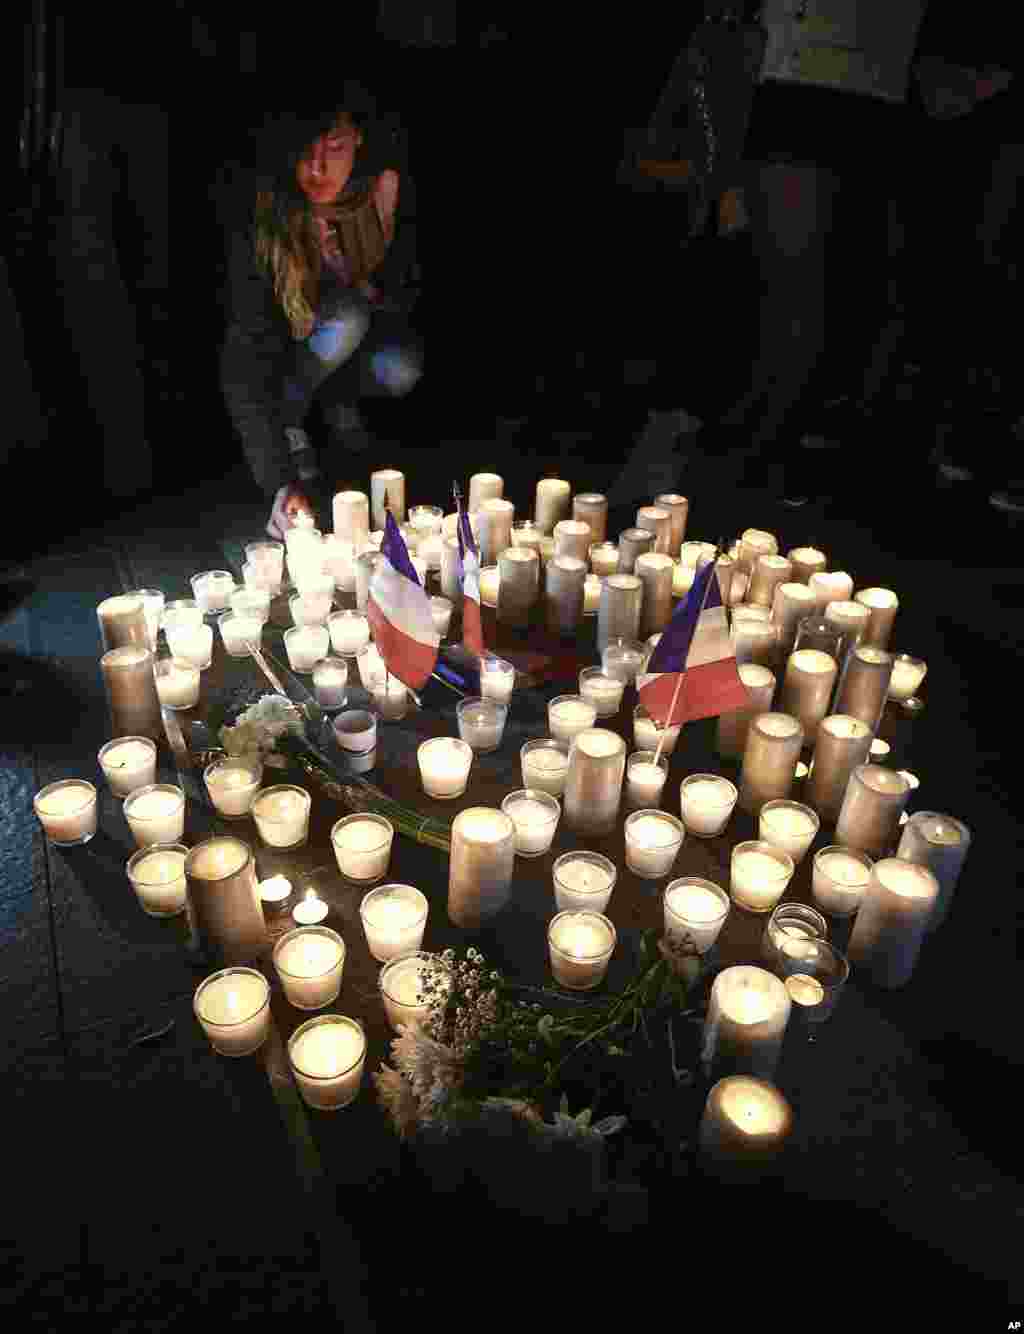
(1009, 499)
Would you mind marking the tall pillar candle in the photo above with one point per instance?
(495, 517)
(755, 542)
(352, 517)
(869, 817)
(564, 587)
(131, 692)
(842, 743)
(618, 614)
(573, 538)
(224, 904)
(746, 1022)
(790, 604)
(519, 574)
(482, 859)
(882, 605)
(832, 586)
(604, 558)
(744, 1129)
(592, 508)
(768, 573)
(450, 586)
(678, 508)
(769, 760)
(654, 570)
(732, 728)
(807, 689)
(655, 520)
(892, 921)
(387, 484)
(633, 541)
(122, 620)
(865, 684)
(484, 486)
(726, 571)
(593, 786)
(365, 566)
(940, 843)
(755, 641)
(552, 503)
(849, 620)
(806, 561)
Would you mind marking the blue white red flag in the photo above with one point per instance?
(399, 611)
(692, 672)
(469, 577)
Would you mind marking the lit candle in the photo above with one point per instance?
(654, 570)
(790, 604)
(907, 675)
(603, 691)
(697, 553)
(157, 874)
(744, 1129)
(481, 723)
(731, 728)
(682, 579)
(552, 503)
(839, 880)
(842, 744)
(788, 825)
(759, 874)
(252, 602)
(755, 542)
(238, 630)
(122, 621)
(372, 671)
(183, 611)
(518, 583)
(390, 697)
(355, 731)
(192, 643)
(632, 542)
(282, 815)
(865, 684)
(275, 893)
(67, 811)
(754, 641)
(545, 765)
(565, 583)
(444, 766)
(490, 579)
(880, 751)
(580, 945)
(834, 586)
(769, 760)
(604, 558)
(327, 1055)
(645, 779)
(593, 788)
(872, 805)
(573, 538)
(806, 561)
(258, 579)
(850, 619)
(232, 784)
(266, 555)
(525, 533)
(351, 510)
(225, 909)
(695, 912)
(482, 859)
(940, 843)
(592, 508)
(807, 688)
(408, 984)
(305, 646)
(310, 909)
(484, 486)
(131, 692)
(362, 846)
(153, 602)
(387, 485)
(568, 715)
(746, 1022)
(495, 529)
(340, 562)
(310, 608)
(309, 961)
(535, 815)
(349, 632)
(678, 509)
(768, 573)
(156, 814)
(647, 734)
(706, 803)
(233, 1008)
(893, 918)
(622, 659)
(583, 881)
(450, 585)
(882, 605)
(441, 614)
(212, 590)
(128, 763)
(394, 918)
(430, 551)
(330, 677)
(653, 840)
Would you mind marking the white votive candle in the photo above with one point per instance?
(623, 659)
(309, 961)
(351, 512)
(310, 909)
(645, 780)
(552, 502)
(604, 558)
(444, 763)
(682, 579)
(907, 675)
(349, 632)
(603, 691)
(282, 815)
(156, 814)
(695, 912)
(192, 644)
(394, 918)
(744, 1129)
(535, 815)
(233, 1008)
(310, 608)
(330, 678)
(706, 802)
(490, 582)
(408, 984)
(252, 602)
(67, 811)
(212, 590)
(480, 867)
(497, 678)
(830, 586)
(759, 874)
(177, 683)
(788, 825)
(305, 646)
(545, 764)
(441, 614)
(362, 846)
(232, 784)
(580, 945)
(839, 879)
(647, 734)
(484, 486)
(653, 840)
(157, 874)
(746, 1022)
(893, 918)
(238, 630)
(481, 723)
(583, 881)
(327, 1055)
(128, 763)
(568, 715)
(940, 843)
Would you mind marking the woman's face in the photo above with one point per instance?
(326, 165)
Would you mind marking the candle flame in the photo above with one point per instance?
(310, 895)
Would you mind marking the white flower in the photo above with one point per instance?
(398, 1099)
(425, 1062)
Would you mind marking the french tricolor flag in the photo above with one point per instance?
(469, 560)
(398, 609)
(692, 672)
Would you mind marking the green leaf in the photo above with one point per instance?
(584, 1117)
(563, 1105)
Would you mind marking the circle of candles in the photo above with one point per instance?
(806, 561)
(497, 678)
(157, 874)
(309, 960)
(907, 675)
(232, 783)
(481, 723)
(743, 1130)
(330, 677)
(759, 874)
(484, 486)
(755, 542)
(769, 760)
(251, 601)
(604, 558)
(388, 485)
(695, 912)
(790, 604)
(807, 688)
(791, 934)
(441, 614)
(480, 866)
(233, 1009)
(893, 918)
(653, 840)
(593, 788)
(306, 645)
(645, 779)
(327, 1056)
(872, 805)
(535, 815)
(565, 581)
(580, 945)
(225, 909)
(573, 538)
(603, 691)
(658, 521)
(444, 763)
(746, 1021)
(518, 582)
(940, 843)
(623, 659)
(275, 893)
(768, 573)
(362, 846)
(545, 765)
(408, 984)
(591, 508)
(495, 517)
(678, 510)
(882, 605)
(351, 514)
(310, 608)
(647, 734)
(128, 762)
(310, 909)
(67, 811)
(212, 589)
(632, 542)
(281, 813)
(583, 881)
(552, 502)
(122, 621)
(156, 814)
(654, 570)
(490, 580)
(706, 803)
(731, 728)
(788, 825)
(568, 715)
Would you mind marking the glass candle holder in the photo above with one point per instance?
(583, 881)
(872, 805)
(156, 814)
(127, 763)
(842, 744)
(892, 921)
(409, 983)
(182, 611)
(814, 986)
(238, 630)
(252, 602)
(225, 909)
(592, 594)
(788, 825)
(390, 698)
(310, 960)
(754, 641)
(759, 874)
(212, 590)
(568, 715)
(481, 723)
(394, 918)
(749, 611)
(351, 515)
(755, 542)
(696, 553)
(907, 675)
(659, 522)
(482, 859)
(122, 622)
(573, 538)
(192, 643)
(441, 614)
(327, 1056)
(362, 846)
(310, 608)
(349, 632)
(545, 765)
(645, 779)
(232, 783)
(67, 811)
(233, 1009)
(769, 760)
(330, 678)
(444, 763)
(678, 510)
(623, 659)
(535, 815)
(653, 840)
(806, 561)
(706, 803)
(275, 895)
(682, 579)
(791, 934)
(839, 879)
(591, 508)
(552, 502)
(941, 843)
(807, 689)
(744, 1129)
(281, 813)
(768, 573)
(593, 788)
(580, 945)
(790, 605)
(618, 614)
(305, 646)
(882, 605)
(632, 542)
(257, 579)
(266, 555)
(365, 567)
(497, 679)
(157, 874)
(865, 684)
(647, 734)
(355, 731)
(831, 586)
(387, 491)
(731, 728)
(695, 911)
(746, 1022)
(604, 558)
(153, 603)
(490, 580)
(372, 670)
(817, 633)
(565, 582)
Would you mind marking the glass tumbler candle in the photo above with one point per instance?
(518, 585)
(882, 605)
(408, 984)
(940, 843)
(807, 689)
(156, 814)
(659, 522)
(653, 840)
(441, 614)
(633, 541)
(618, 615)
(545, 765)
(678, 509)
(872, 805)
(232, 783)
(362, 846)
(490, 581)
(591, 508)
(252, 602)
(593, 789)
(769, 760)
(394, 918)
(130, 687)
(480, 866)
(127, 763)
(706, 803)
(645, 779)
(842, 744)
(268, 559)
(233, 1009)
(892, 921)
(327, 1055)
(731, 728)
(238, 630)
(497, 679)
(212, 590)
(744, 1129)
(695, 912)
(481, 723)
(759, 874)
(839, 879)
(153, 602)
(225, 908)
(791, 934)
(67, 811)
(580, 945)
(310, 960)
(768, 573)
(192, 643)
(157, 874)
(647, 734)
(122, 621)
(444, 763)
(310, 608)
(565, 585)
(583, 881)
(814, 985)
(907, 675)
(568, 715)
(573, 538)
(788, 825)
(746, 1023)
(604, 558)
(654, 570)
(623, 659)
(306, 645)
(330, 677)
(281, 813)
(535, 815)
(349, 632)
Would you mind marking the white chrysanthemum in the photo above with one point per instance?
(425, 1062)
(397, 1098)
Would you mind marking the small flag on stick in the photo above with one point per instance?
(398, 609)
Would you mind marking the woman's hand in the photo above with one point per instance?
(385, 197)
